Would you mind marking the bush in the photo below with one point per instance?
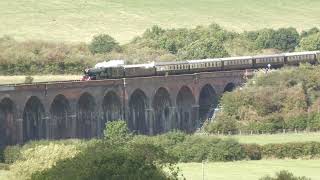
(42, 155)
(284, 175)
(117, 133)
(252, 151)
(12, 154)
(126, 159)
(227, 150)
(291, 150)
(103, 43)
(310, 43)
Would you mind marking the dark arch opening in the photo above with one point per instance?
(229, 87)
(161, 105)
(111, 106)
(34, 123)
(137, 118)
(7, 123)
(86, 116)
(60, 118)
(208, 101)
(185, 102)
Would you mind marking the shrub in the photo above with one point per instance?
(227, 150)
(284, 175)
(35, 156)
(127, 159)
(252, 151)
(117, 133)
(103, 43)
(194, 148)
(291, 150)
(99, 162)
(12, 154)
(311, 43)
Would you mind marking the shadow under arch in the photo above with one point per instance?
(60, 120)
(161, 105)
(112, 109)
(185, 102)
(229, 87)
(208, 101)
(8, 129)
(34, 122)
(86, 116)
(137, 113)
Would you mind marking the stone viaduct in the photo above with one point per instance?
(150, 105)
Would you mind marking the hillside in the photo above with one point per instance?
(79, 20)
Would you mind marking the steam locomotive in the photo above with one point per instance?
(117, 69)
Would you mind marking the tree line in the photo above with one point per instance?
(155, 44)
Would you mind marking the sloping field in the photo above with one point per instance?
(79, 20)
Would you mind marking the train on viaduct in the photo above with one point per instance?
(150, 105)
(175, 95)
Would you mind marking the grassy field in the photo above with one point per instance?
(250, 170)
(4, 175)
(37, 78)
(276, 138)
(65, 20)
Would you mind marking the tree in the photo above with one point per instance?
(203, 48)
(310, 43)
(103, 43)
(286, 39)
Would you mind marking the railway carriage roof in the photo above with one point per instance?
(236, 58)
(269, 55)
(203, 60)
(300, 53)
(170, 63)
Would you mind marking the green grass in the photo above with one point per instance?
(37, 78)
(250, 170)
(276, 138)
(69, 20)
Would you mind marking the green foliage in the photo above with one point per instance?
(227, 150)
(284, 175)
(222, 124)
(202, 49)
(103, 43)
(311, 42)
(252, 151)
(42, 155)
(12, 154)
(116, 157)
(117, 133)
(99, 162)
(285, 39)
(291, 150)
(283, 99)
